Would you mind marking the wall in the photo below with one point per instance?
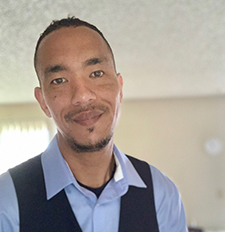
(170, 134)
(23, 111)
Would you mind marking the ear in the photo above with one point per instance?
(120, 79)
(39, 97)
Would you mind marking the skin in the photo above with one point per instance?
(81, 91)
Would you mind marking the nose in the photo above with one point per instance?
(82, 93)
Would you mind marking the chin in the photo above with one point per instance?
(80, 147)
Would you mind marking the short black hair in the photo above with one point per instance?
(67, 22)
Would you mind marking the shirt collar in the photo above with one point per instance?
(58, 175)
(125, 170)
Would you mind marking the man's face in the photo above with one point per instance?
(79, 89)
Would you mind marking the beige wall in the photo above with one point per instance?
(23, 111)
(170, 134)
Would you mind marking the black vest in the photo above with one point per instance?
(37, 214)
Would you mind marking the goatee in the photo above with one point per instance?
(84, 148)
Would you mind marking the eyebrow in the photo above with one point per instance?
(94, 61)
(55, 69)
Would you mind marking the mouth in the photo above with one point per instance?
(87, 118)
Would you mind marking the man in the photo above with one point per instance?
(83, 182)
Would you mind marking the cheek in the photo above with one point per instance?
(115, 103)
(54, 105)
(110, 90)
(117, 106)
(113, 100)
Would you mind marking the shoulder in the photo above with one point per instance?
(27, 166)
(162, 184)
(8, 202)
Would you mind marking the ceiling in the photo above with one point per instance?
(163, 48)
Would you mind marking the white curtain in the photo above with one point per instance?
(21, 140)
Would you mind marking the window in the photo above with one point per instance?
(20, 140)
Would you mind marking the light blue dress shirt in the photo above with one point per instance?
(95, 215)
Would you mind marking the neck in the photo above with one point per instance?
(92, 169)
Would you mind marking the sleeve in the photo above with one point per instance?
(169, 207)
(9, 216)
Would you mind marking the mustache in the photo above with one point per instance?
(69, 117)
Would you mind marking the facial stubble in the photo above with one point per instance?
(84, 148)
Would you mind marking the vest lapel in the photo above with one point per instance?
(137, 211)
(36, 213)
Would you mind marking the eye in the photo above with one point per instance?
(58, 81)
(98, 73)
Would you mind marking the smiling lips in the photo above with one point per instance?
(88, 118)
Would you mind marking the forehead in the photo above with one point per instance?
(80, 39)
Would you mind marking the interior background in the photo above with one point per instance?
(171, 55)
